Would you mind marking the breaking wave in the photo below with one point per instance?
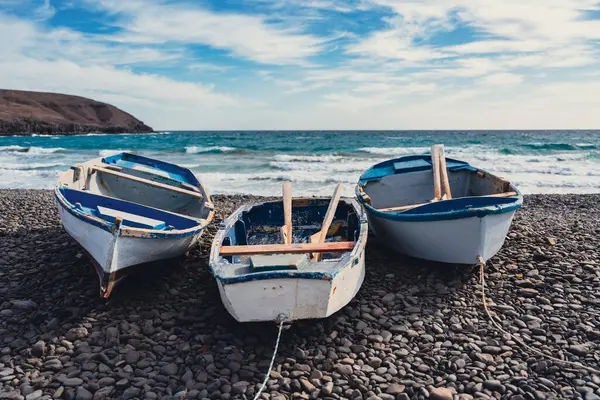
(30, 150)
(210, 149)
(112, 152)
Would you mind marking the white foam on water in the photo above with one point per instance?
(30, 151)
(321, 158)
(13, 149)
(208, 149)
(395, 151)
(311, 174)
(112, 152)
(29, 166)
(28, 179)
(343, 165)
(44, 150)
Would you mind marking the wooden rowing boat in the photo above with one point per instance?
(127, 210)
(297, 259)
(445, 210)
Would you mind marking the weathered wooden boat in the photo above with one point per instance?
(317, 268)
(470, 218)
(127, 211)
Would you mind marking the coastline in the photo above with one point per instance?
(414, 327)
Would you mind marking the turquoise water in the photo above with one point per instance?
(257, 162)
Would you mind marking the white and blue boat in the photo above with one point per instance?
(407, 213)
(127, 211)
(262, 279)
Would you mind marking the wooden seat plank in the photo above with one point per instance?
(294, 248)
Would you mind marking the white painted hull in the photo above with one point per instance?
(113, 254)
(457, 241)
(292, 298)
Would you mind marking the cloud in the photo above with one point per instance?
(45, 11)
(502, 79)
(322, 64)
(247, 36)
(66, 61)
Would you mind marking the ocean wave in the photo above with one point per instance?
(211, 149)
(346, 165)
(29, 166)
(13, 149)
(324, 158)
(296, 178)
(28, 179)
(33, 150)
(112, 152)
(395, 151)
(190, 166)
(560, 146)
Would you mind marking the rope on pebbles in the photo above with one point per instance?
(264, 384)
(574, 364)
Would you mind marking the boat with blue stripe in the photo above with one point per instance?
(128, 210)
(437, 208)
(297, 259)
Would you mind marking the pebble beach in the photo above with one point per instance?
(416, 330)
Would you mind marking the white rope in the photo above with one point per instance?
(516, 338)
(264, 384)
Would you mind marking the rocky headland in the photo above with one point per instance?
(26, 113)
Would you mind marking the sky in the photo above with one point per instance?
(314, 64)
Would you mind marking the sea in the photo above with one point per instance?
(256, 162)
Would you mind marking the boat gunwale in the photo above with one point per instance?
(127, 231)
(479, 211)
(336, 265)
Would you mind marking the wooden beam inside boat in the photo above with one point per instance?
(286, 229)
(320, 236)
(147, 181)
(435, 168)
(294, 248)
(444, 174)
(408, 207)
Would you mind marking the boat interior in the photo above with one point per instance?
(143, 181)
(408, 181)
(260, 225)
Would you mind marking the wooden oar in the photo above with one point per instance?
(444, 174)
(320, 236)
(286, 229)
(435, 167)
(404, 208)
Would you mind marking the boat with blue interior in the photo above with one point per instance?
(127, 210)
(297, 259)
(438, 209)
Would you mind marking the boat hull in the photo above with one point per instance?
(115, 255)
(456, 241)
(293, 298)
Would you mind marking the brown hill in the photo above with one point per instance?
(26, 113)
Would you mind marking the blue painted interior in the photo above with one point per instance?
(259, 224)
(270, 216)
(88, 202)
(128, 160)
(412, 166)
(408, 164)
